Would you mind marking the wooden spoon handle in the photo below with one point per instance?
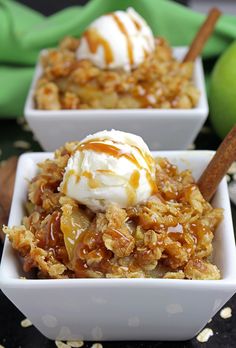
(218, 166)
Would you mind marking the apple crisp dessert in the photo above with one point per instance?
(169, 235)
(160, 81)
(116, 64)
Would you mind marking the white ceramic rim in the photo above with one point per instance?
(228, 282)
(202, 107)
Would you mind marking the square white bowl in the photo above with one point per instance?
(121, 309)
(162, 129)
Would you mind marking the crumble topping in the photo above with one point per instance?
(161, 81)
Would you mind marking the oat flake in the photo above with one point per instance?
(226, 313)
(21, 144)
(61, 344)
(26, 323)
(97, 345)
(75, 344)
(204, 335)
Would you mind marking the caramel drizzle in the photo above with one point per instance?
(152, 183)
(105, 171)
(93, 183)
(94, 40)
(148, 159)
(110, 150)
(64, 186)
(132, 187)
(134, 179)
(136, 23)
(145, 53)
(97, 146)
(124, 31)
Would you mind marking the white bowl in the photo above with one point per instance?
(162, 129)
(121, 309)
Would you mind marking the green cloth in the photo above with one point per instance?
(24, 32)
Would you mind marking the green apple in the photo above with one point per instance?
(222, 93)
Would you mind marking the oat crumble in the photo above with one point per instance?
(160, 81)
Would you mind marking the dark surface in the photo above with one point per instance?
(48, 7)
(12, 335)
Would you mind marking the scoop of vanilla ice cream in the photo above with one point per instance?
(121, 39)
(110, 167)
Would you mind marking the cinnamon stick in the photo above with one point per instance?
(7, 179)
(202, 35)
(218, 166)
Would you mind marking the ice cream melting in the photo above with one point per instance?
(117, 40)
(110, 167)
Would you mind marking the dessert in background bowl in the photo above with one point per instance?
(117, 75)
(161, 218)
(116, 64)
